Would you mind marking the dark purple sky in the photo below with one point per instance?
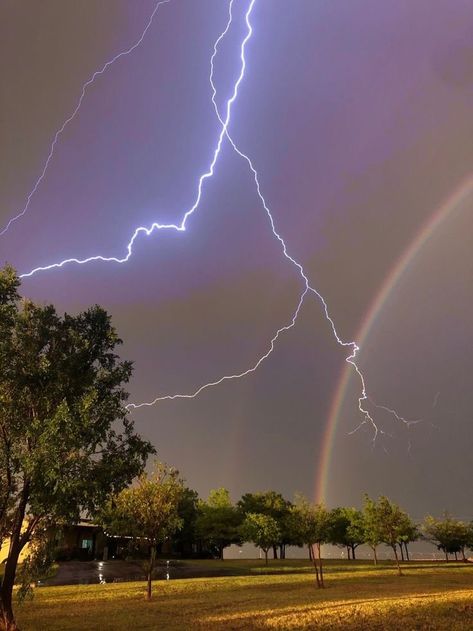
(358, 117)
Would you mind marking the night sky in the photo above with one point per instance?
(358, 118)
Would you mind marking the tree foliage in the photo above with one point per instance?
(386, 523)
(218, 522)
(262, 530)
(449, 534)
(274, 505)
(372, 533)
(313, 523)
(188, 510)
(346, 529)
(65, 439)
(148, 511)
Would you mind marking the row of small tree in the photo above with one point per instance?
(161, 509)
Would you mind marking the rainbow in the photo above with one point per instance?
(454, 202)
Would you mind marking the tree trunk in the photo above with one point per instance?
(152, 558)
(407, 550)
(348, 552)
(456, 557)
(463, 554)
(17, 542)
(402, 550)
(220, 552)
(275, 552)
(320, 566)
(446, 556)
(353, 548)
(397, 559)
(266, 556)
(282, 551)
(375, 556)
(316, 567)
(311, 555)
(6, 590)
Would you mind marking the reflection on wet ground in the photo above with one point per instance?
(90, 572)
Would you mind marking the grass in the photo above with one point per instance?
(248, 567)
(357, 596)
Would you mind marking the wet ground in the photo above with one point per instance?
(87, 572)
(84, 572)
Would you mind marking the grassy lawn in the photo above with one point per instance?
(246, 567)
(357, 596)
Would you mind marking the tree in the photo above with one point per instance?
(388, 523)
(469, 540)
(371, 526)
(65, 439)
(273, 504)
(262, 530)
(147, 512)
(188, 511)
(346, 529)
(313, 524)
(410, 532)
(448, 534)
(218, 522)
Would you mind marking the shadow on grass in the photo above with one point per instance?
(428, 611)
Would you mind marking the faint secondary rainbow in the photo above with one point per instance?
(435, 221)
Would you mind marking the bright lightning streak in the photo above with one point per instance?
(59, 132)
(182, 225)
(293, 320)
(295, 315)
(351, 359)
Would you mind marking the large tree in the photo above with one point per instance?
(346, 529)
(274, 505)
(449, 534)
(262, 530)
(148, 512)
(387, 522)
(218, 521)
(65, 439)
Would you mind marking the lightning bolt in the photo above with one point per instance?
(179, 227)
(351, 359)
(307, 288)
(397, 416)
(367, 418)
(211, 384)
(71, 117)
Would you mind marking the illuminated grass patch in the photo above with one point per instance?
(429, 596)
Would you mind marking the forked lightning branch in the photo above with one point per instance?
(224, 118)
